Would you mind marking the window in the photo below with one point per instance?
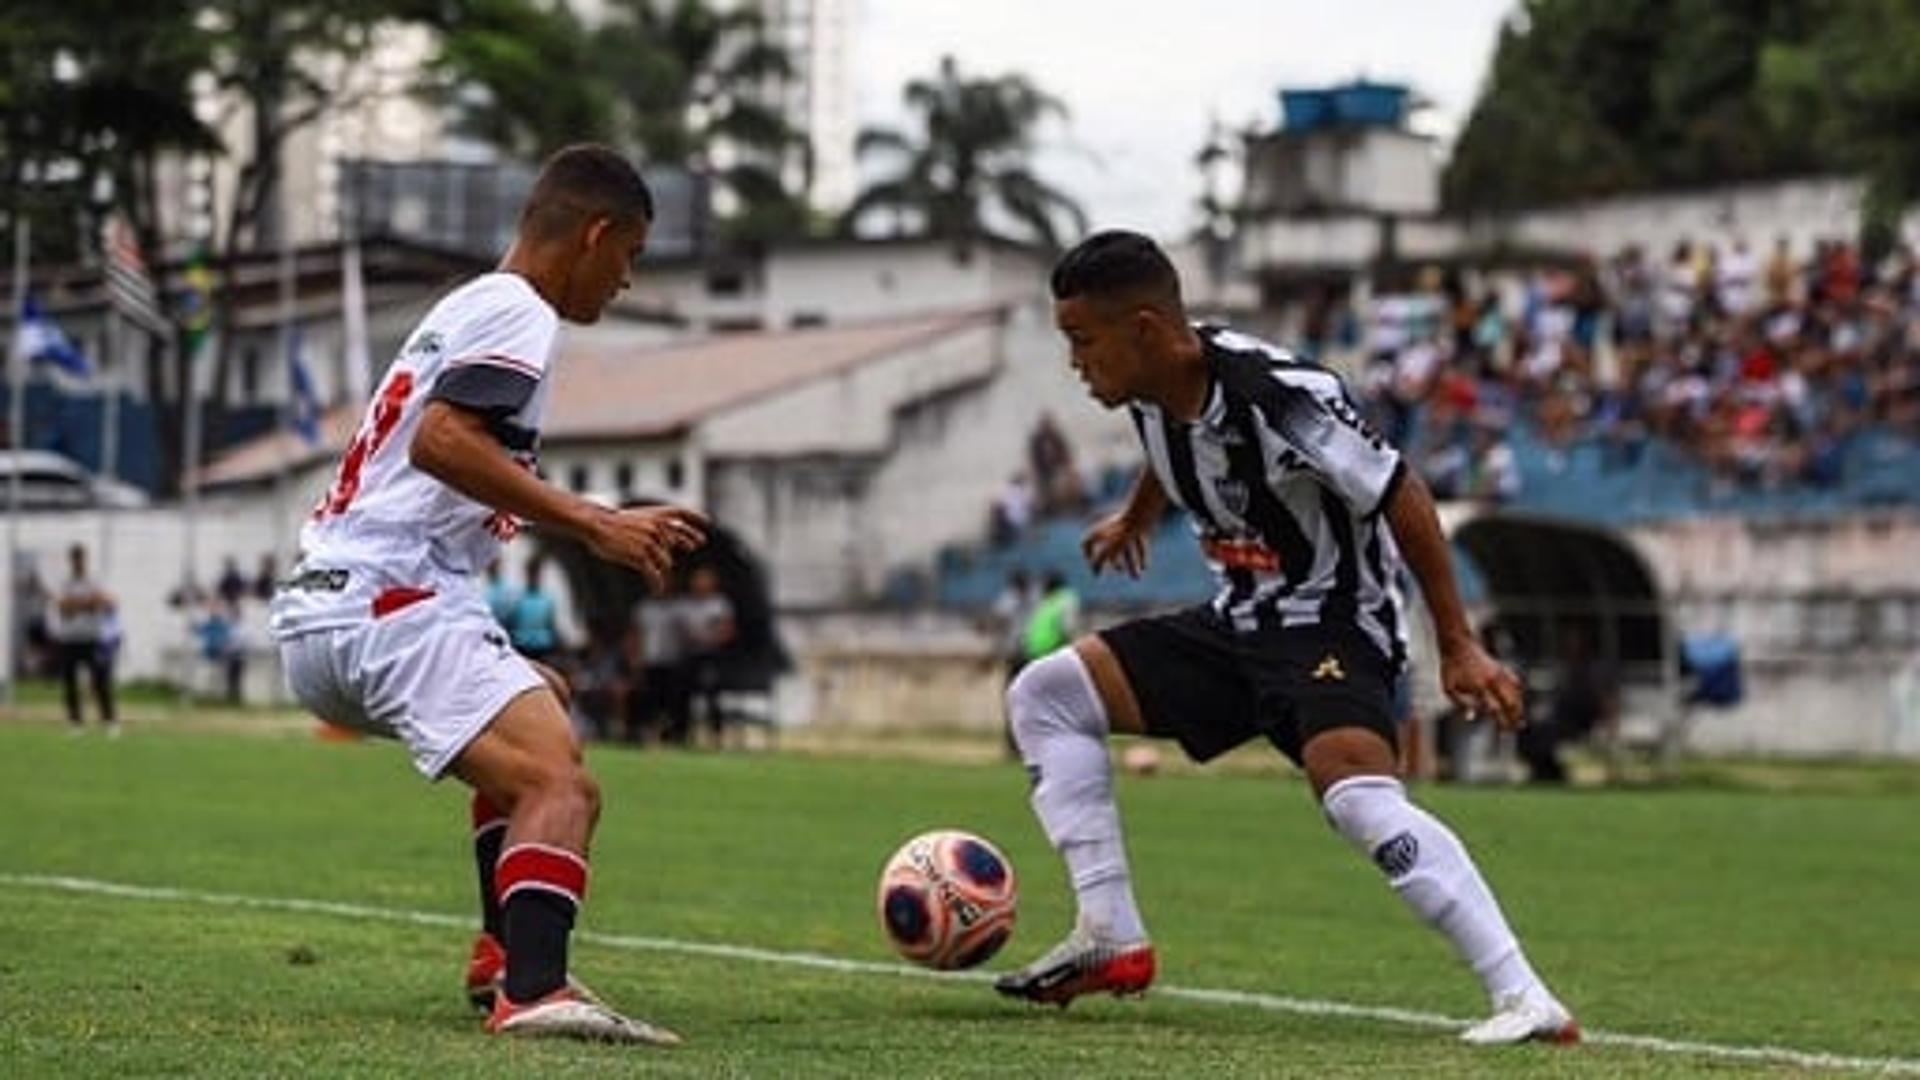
(577, 478)
(623, 477)
(676, 474)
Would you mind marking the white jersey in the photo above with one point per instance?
(386, 529)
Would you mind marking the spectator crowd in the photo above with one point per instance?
(1759, 368)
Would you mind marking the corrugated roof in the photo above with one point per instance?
(602, 390)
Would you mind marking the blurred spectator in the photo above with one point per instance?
(266, 579)
(1057, 484)
(230, 586)
(604, 685)
(1585, 701)
(665, 704)
(1055, 620)
(1012, 512)
(85, 629)
(1007, 622)
(217, 630)
(533, 630)
(502, 597)
(706, 613)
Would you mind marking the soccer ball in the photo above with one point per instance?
(946, 899)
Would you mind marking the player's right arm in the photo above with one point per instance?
(1120, 538)
(455, 446)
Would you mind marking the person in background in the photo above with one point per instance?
(266, 579)
(231, 586)
(707, 615)
(666, 694)
(502, 597)
(1007, 621)
(532, 629)
(1055, 620)
(84, 632)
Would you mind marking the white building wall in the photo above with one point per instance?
(1392, 172)
(1827, 614)
(847, 282)
(1803, 211)
(842, 483)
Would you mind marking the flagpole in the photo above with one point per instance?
(190, 462)
(281, 468)
(16, 438)
(109, 434)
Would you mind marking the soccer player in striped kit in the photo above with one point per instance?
(1304, 515)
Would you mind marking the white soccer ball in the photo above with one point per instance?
(946, 899)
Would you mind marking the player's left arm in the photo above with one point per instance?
(1471, 678)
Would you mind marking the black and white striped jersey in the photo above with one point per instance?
(1286, 486)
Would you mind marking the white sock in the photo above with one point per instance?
(1426, 864)
(1061, 729)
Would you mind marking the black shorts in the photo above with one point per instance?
(1212, 689)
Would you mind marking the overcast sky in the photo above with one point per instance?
(1142, 79)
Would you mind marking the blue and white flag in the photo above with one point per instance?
(303, 405)
(39, 340)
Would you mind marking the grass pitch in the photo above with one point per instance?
(1739, 918)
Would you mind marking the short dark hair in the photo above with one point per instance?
(1116, 262)
(582, 182)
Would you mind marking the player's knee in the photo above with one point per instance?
(589, 792)
(1050, 696)
(1361, 809)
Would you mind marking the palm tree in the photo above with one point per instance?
(975, 150)
(701, 88)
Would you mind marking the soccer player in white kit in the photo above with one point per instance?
(383, 624)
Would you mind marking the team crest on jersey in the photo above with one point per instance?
(426, 345)
(1233, 494)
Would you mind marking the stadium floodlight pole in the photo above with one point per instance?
(16, 429)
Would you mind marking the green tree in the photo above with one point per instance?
(1586, 99)
(522, 76)
(684, 83)
(701, 87)
(974, 151)
(1853, 86)
(95, 95)
(280, 58)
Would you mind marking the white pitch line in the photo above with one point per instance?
(1767, 1055)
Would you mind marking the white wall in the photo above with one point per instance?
(849, 282)
(1827, 613)
(1393, 172)
(842, 482)
(1801, 210)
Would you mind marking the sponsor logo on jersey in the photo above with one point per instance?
(1241, 554)
(1330, 670)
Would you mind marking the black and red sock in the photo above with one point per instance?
(540, 888)
(489, 833)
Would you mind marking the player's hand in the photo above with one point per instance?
(1482, 686)
(1117, 541)
(646, 539)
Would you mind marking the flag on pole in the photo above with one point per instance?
(37, 339)
(129, 286)
(303, 405)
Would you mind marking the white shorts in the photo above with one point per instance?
(432, 674)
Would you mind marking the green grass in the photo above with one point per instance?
(1729, 916)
